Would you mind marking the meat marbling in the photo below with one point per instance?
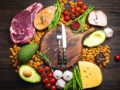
(22, 29)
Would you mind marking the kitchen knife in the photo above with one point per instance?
(64, 45)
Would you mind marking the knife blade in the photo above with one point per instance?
(64, 41)
(64, 46)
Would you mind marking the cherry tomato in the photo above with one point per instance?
(82, 11)
(79, 3)
(43, 75)
(72, 9)
(53, 88)
(48, 86)
(52, 81)
(50, 75)
(67, 18)
(66, 12)
(45, 80)
(84, 7)
(73, 16)
(40, 70)
(117, 57)
(47, 68)
(77, 13)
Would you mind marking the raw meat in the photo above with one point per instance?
(22, 29)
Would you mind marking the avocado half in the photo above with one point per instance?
(29, 74)
(95, 39)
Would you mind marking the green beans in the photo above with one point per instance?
(76, 82)
(56, 16)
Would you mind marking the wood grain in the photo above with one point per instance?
(9, 80)
(49, 46)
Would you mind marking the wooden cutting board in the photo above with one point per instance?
(49, 46)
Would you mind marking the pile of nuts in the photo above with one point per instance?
(37, 37)
(35, 62)
(14, 50)
(97, 53)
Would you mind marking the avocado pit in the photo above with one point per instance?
(27, 73)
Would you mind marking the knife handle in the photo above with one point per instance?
(64, 57)
(59, 58)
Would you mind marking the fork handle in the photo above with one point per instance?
(59, 58)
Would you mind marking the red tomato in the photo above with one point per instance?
(66, 18)
(66, 12)
(40, 70)
(47, 68)
(79, 3)
(50, 75)
(73, 16)
(52, 81)
(43, 75)
(77, 13)
(45, 80)
(48, 86)
(84, 7)
(77, 9)
(82, 11)
(117, 57)
(72, 9)
(53, 88)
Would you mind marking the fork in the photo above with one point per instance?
(59, 38)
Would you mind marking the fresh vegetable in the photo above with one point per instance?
(117, 58)
(97, 18)
(82, 18)
(75, 83)
(44, 18)
(47, 77)
(95, 39)
(56, 16)
(75, 25)
(57, 74)
(27, 51)
(91, 74)
(29, 74)
(108, 32)
(60, 83)
(67, 75)
(74, 11)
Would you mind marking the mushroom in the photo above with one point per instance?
(97, 18)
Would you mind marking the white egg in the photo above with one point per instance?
(57, 74)
(60, 84)
(108, 32)
(67, 75)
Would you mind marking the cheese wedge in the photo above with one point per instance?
(90, 74)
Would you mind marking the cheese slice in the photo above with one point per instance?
(91, 74)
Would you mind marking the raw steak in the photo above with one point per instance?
(22, 29)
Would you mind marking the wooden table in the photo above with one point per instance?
(9, 80)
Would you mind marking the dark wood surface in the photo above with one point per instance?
(9, 80)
